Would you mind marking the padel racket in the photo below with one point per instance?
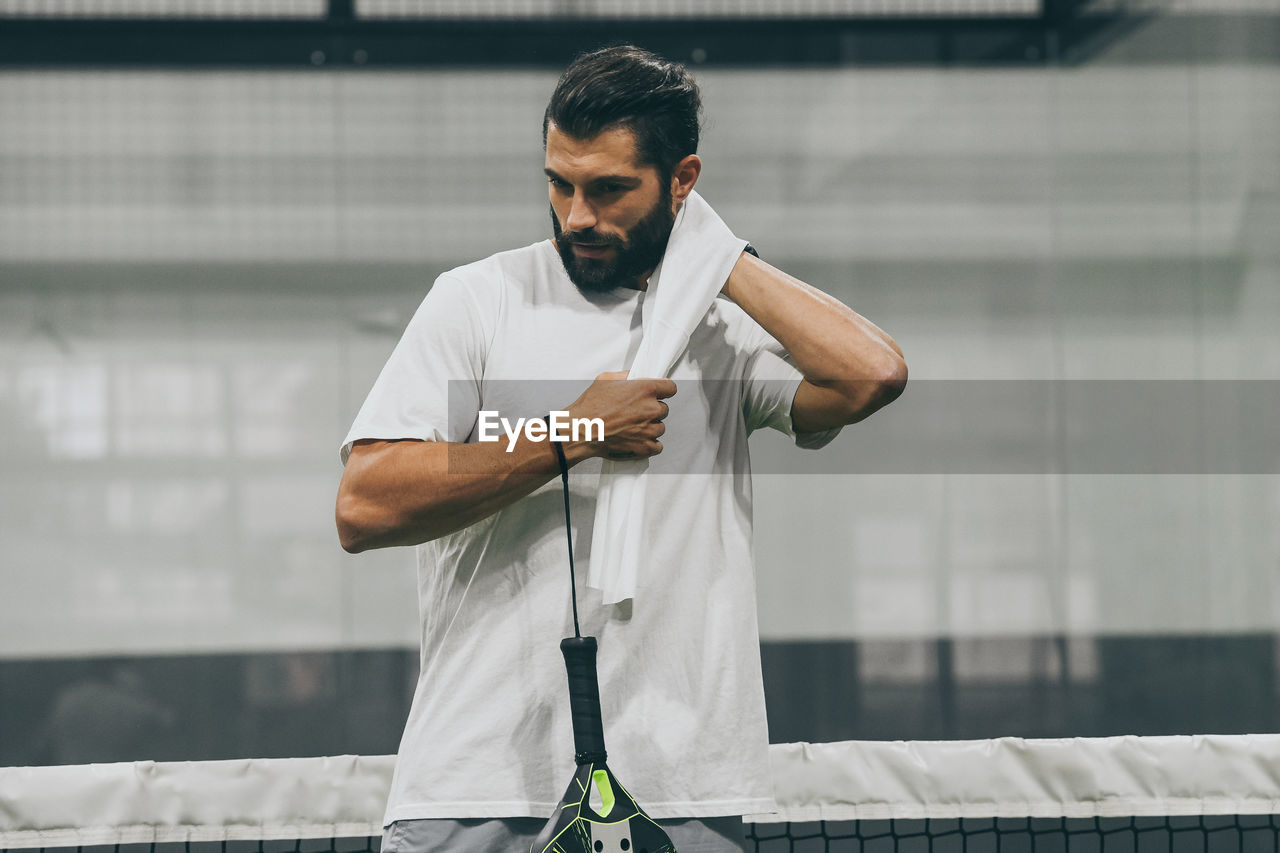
(596, 814)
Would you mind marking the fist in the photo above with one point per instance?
(632, 411)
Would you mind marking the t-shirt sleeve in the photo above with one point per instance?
(770, 381)
(429, 388)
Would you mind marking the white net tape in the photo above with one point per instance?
(343, 796)
(1013, 777)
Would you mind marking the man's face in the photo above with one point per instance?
(611, 216)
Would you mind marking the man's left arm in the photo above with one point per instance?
(850, 366)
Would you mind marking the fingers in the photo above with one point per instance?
(633, 411)
(659, 388)
(653, 410)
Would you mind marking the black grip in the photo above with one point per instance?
(584, 699)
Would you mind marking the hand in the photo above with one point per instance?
(632, 411)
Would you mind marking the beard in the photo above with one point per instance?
(634, 254)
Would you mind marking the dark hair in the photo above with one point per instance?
(657, 100)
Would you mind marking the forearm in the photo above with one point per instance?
(834, 347)
(407, 492)
(827, 339)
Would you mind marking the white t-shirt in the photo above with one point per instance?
(489, 733)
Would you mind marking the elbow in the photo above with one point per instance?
(352, 535)
(892, 380)
(365, 524)
(372, 510)
(362, 524)
(884, 384)
(351, 541)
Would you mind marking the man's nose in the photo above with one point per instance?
(581, 214)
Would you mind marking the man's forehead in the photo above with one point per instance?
(613, 149)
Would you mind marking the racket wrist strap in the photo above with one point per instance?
(564, 464)
(560, 457)
(568, 526)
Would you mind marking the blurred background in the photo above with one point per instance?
(216, 217)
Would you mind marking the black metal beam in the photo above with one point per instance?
(344, 41)
(1062, 33)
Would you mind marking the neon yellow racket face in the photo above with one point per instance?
(618, 825)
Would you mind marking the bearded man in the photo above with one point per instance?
(488, 740)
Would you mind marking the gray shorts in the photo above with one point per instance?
(516, 835)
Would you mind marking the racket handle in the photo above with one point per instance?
(584, 699)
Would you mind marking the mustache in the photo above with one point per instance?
(589, 238)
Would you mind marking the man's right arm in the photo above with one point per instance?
(408, 491)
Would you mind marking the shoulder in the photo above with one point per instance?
(491, 282)
(512, 266)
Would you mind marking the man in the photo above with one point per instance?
(488, 745)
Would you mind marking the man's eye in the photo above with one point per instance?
(558, 184)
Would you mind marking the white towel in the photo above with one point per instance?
(700, 255)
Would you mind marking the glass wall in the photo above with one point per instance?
(201, 273)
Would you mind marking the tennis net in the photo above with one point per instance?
(1104, 795)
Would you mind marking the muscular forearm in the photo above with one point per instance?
(407, 492)
(837, 350)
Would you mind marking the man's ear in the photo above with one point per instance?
(684, 176)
